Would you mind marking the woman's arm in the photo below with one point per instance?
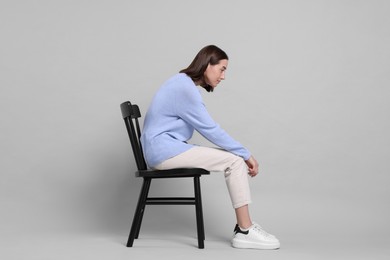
(190, 107)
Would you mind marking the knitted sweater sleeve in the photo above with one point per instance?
(190, 108)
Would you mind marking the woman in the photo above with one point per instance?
(176, 111)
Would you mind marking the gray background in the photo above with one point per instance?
(306, 91)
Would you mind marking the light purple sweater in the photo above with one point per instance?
(176, 111)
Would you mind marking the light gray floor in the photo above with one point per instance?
(160, 246)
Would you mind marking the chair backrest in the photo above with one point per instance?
(130, 114)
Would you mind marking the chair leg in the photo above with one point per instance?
(147, 186)
(199, 212)
(136, 225)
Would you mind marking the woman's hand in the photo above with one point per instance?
(253, 166)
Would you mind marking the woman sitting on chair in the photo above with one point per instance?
(176, 111)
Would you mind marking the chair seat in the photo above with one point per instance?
(172, 173)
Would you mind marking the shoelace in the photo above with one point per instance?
(259, 229)
(262, 229)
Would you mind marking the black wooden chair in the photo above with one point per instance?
(131, 114)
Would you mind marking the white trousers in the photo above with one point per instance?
(213, 159)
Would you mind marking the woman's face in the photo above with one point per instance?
(215, 73)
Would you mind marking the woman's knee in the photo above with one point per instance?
(237, 165)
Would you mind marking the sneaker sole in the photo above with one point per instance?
(251, 245)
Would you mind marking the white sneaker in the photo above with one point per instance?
(255, 237)
(254, 223)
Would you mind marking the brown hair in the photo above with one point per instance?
(210, 54)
